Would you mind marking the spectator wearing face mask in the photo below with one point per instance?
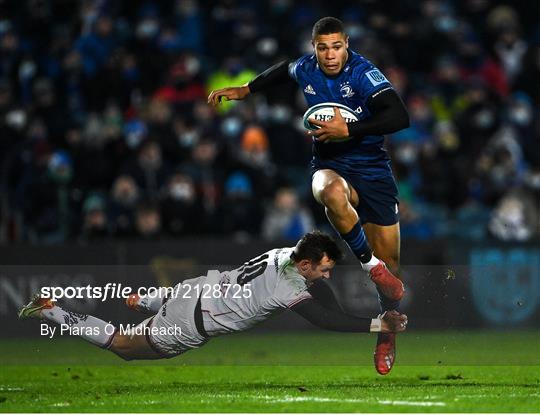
(160, 127)
(207, 174)
(286, 219)
(447, 100)
(181, 208)
(479, 119)
(510, 49)
(515, 218)
(521, 119)
(502, 162)
(149, 169)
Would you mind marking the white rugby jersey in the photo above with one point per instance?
(263, 286)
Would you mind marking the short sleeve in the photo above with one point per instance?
(288, 293)
(371, 81)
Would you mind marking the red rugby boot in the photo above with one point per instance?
(389, 285)
(385, 353)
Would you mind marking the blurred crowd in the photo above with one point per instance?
(106, 133)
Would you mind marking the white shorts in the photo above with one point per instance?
(172, 331)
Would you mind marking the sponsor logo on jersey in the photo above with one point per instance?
(346, 90)
(309, 90)
(328, 117)
(376, 77)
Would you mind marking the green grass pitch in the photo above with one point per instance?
(302, 372)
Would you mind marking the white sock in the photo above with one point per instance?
(373, 262)
(90, 328)
(152, 304)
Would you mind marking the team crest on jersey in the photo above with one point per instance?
(309, 90)
(376, 77)
(346, 90)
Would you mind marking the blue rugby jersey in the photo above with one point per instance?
(353, 86)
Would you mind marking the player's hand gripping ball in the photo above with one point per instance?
(325, 112)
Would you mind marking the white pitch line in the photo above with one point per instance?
(287, 399)
(312, 399)
(494, 395)
(412, 403)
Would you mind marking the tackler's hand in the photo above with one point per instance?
(393, 322)
(336, 128)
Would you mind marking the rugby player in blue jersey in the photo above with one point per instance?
(352, 179)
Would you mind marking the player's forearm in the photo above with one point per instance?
(322, 292)
(388, 116)
(275, 75)
(333, 320)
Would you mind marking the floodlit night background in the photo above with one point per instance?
(114, 168)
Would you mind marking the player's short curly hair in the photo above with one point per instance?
(314, 246)
(327, 25)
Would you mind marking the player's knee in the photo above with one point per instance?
(334, 195)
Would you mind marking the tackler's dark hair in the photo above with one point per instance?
(314, 246)
(327, 25)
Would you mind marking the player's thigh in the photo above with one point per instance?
(131, 347)
(378, 200)
(385, 240)
(325, 178)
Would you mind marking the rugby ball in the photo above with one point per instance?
(325, 112)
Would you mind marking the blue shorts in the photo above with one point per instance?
(378, 196)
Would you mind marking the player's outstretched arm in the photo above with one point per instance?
(315, 313)
(322, 292)
(233, 93)
(273, 76)
(270, 78)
